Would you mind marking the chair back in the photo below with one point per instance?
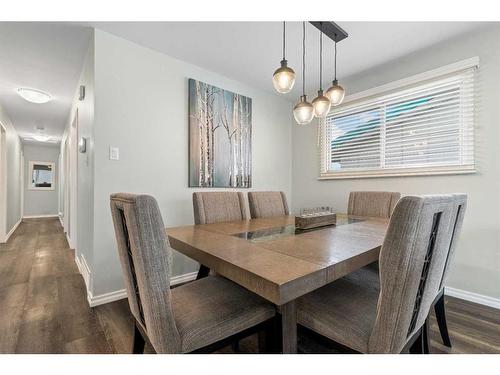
(412, 262)
(145, 257)
(460, 207)
(372, 203)
(217, 207)
(267, 204)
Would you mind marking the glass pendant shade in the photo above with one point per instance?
(321, 105)
(283, 78)
(303, 111)
(335, 93)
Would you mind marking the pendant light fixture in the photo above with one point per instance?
(284, 77)
(335, 93)
(321, 103)
(303, 110)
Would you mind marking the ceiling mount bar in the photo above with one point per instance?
(330, 29)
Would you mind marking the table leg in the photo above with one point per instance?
(289, 327)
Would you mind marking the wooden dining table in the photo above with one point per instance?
(269, 257)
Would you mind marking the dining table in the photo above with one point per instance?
(280, 263)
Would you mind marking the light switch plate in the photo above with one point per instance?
(114, 153)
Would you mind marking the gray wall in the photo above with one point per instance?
(141, 106)
(41, 202)
(14, 151)
(477, 260)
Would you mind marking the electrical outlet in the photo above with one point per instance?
(114, 153)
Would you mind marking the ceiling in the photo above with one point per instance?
(251, 51)
(44, 56)
(49, 56)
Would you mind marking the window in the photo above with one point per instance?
(421, 125)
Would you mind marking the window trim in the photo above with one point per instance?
(376, 94)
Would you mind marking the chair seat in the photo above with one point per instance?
(214, 308)
(344, 310)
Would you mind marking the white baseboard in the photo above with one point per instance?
(12, 230)
(101, 299)
(179, 279)
(38, 216)
(60, 220)
(85, 271)
(472, 297)
(78, 263)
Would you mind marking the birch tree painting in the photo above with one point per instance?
(220, 134)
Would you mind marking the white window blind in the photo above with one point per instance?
(426, 127)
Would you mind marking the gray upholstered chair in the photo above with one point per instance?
(391, 316)
(372, 203)
(217, 207)
(439, 306)
(369, 275)
(198, 316)
(267, 204)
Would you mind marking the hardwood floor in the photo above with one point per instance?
(43, 306)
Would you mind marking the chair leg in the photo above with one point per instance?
(202, 272)
(425, 337)
(267, 338)
(236, 346)
(138, 345)
(441, 320)
(418, 345)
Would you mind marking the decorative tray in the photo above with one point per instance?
(315, 220)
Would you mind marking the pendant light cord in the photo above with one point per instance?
(321, 56)
(335, 61)
(303, 58)
(284, 39)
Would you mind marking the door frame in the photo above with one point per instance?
(3, 183)
(72, 179)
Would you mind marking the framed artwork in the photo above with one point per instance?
(41, 175)
(220, 137)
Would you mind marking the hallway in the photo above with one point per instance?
(44, 307)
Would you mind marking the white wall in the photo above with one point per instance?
(141, 106)
(477, 259)
(14, 152)
(41, 202)
(85, 161)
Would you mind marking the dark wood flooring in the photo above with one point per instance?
(44, 309)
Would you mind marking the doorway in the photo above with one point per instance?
(3, 184)
(69, 156)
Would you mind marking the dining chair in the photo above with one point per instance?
(267, 204)
(217, 207)
(439, 305)
(200, 316)
(372, 203)
(392, 317)
(369, 276)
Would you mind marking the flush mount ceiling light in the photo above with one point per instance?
(321, 103)
(34, 95)
(41, 138)
(284, 77)
(303, 110)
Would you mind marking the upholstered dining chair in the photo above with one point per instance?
(267, 204)
(217, 207)
(369, 276)
(200, 316)
(372, 203)
(390, 317)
